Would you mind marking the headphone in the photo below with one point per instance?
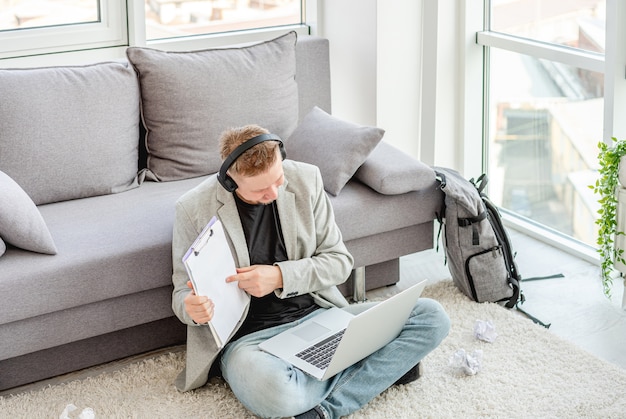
(225, 180)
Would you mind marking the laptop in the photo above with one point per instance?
(335, 339)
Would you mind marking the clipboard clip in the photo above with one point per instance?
(204, 240)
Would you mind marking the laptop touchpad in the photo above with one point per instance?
(311, 331)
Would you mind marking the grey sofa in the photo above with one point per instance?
(93, 158)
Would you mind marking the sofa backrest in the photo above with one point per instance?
(313, 74)
(69, 132)
(312, 77)
(73, 132)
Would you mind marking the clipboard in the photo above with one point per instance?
(208, 263)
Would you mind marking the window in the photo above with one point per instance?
(578, 24)
(544, 109)
(21, 14)
(35, 27)
(174, 18)
(31, 27)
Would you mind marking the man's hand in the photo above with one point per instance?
(199, 307)
(258, 280)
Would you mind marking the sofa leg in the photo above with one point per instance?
(358, 284)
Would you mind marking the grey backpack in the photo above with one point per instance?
(477, 247)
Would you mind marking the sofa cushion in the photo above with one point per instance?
(336, 146)
(21, 223)
(362, 212)
(389, 171)
(108, 246)
(70, 132)
(189, 98)
(3, 247)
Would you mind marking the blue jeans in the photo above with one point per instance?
(270, 387)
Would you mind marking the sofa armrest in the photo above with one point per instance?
(390, 171)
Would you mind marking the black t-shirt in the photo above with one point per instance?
(261, 226)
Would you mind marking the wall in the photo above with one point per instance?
(399, 57)
(396, 65)
(350, 25)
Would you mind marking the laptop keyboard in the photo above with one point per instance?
(322, 352)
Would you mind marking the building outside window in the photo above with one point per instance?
(544, 106)
(34, 27)
(172, 18)
(23, 14)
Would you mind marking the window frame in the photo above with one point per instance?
(574, 57)
(123, 24)
(110, 31)
(610, 63)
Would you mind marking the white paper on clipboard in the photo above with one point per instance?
(209, 262)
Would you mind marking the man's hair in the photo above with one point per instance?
(254, 161)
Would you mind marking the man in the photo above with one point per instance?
(290, 253)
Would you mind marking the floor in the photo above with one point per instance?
(574, 306)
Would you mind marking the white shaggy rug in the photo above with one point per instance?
(527, 372)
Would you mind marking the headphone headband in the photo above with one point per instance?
(226, 181)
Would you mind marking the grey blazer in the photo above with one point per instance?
(318, 258)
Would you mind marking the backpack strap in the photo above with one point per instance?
(533, 318)
(538, 278)
(441, 177)
(472, 221)
(517, 293)
(481, 182)
(522, 300)
(464, 222)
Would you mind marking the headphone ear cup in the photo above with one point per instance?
(281, 147)
(231, 185)
(227, 182)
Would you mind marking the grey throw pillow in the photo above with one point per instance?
(190, 98)
(21, 224)
(3, 247)
(389, 171)
(70, 132)
(336, 146)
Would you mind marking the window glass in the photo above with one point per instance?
(173, 18)
(20, 14)
(546, 120)
(574, 23)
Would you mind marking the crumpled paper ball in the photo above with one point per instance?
(485, 330)
(468, 362)
(86, 413)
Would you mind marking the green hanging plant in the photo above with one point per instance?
(606, 186)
